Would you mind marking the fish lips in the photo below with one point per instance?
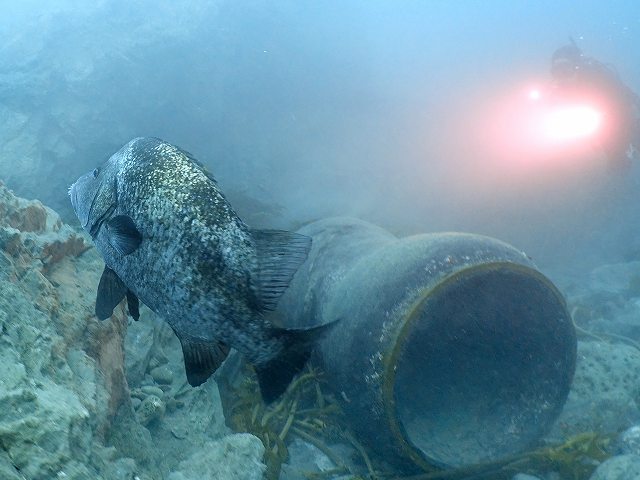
(82, 211)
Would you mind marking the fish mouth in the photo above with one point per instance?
(73, 195)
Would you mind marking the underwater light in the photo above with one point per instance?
(571, 122)
(537, 131)
(534, 94)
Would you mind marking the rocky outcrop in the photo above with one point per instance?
(66, 407)
(605, 392)
(54, 402)
(623, 467)
(212, 461)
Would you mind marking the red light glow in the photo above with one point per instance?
(535, 132)
(571, 122)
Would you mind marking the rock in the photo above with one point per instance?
(151, 409)
(162, 375)
(623, 467)
(235, 457)
(106, 344)
(51, 424)
(122, 469)
(609, 300)
(63, 390)
(8, 470)
(621, 279)
(151, 344)
(138, 394)
(152, 390)
(305, 458)
(309, 455)
(12, 371)
(133, 440)
(32, 232)
(138, 346)
(23, 215)
(524, 476)
(53, 395)
(604, 393)
(628, 442)
(75, 471)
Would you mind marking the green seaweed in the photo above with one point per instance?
(273, 424)
(575, 459)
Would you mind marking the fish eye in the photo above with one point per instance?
(96, 171)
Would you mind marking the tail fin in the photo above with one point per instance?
(275, 376)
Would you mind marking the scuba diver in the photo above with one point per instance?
(577, 77)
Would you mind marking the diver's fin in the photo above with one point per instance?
(123, 234)
(280, 253)
(111, 291)
(133, 305)
(202, 359)
(275, 376)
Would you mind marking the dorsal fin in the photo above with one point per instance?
(280, 254)
(144, 144)
(200, 165)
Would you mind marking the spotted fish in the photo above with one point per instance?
(170, 239)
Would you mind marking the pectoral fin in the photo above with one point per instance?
(111, 291)
(123, 235)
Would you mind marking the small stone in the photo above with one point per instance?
(236, 456)
(151, 409)
(628, 442)
(123, 469)
(135, 403)
(623, 467)
(162, 375)
(154, 362)
(173, 404)
(152, 390)
(138, 393)
(138, 344)
(524, 476)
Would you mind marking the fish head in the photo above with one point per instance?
(94, 195)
